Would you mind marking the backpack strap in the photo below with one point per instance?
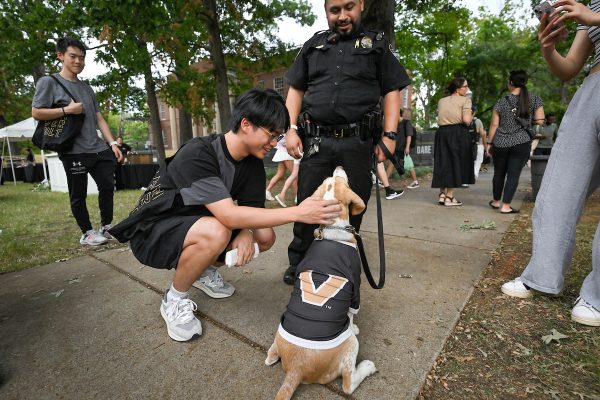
(64, 88)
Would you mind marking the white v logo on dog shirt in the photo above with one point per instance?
(327, 290)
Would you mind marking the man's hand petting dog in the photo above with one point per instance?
(315, 210)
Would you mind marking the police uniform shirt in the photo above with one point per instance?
(326, 288)
(201, 172)
(342, 81)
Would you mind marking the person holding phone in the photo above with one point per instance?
(573, 171)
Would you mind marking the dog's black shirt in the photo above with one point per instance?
(326, 288)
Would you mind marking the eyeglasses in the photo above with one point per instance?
(272, 135)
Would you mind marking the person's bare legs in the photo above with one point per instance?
(279, 174)
(382, 174)
(288, 182)
(205, 240)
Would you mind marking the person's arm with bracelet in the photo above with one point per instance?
(104, 128)
(293, 102)
(391, 113)
(46, 114)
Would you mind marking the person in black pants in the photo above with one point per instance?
(509, 140)
(336, 83)
(89, 153)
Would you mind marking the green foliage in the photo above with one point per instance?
(134, 132)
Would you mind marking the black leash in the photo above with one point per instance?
(361, 247)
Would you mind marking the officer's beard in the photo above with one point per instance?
(347, 34)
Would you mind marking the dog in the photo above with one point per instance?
(316, 339)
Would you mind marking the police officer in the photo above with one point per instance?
(336, 83)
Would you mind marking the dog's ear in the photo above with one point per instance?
(320, 192)
(357, 205)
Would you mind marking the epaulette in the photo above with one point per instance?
(377, 35)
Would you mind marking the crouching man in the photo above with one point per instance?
(208, 199)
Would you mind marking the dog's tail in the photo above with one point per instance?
(287, 389)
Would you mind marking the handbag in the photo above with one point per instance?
(408, 162)
(58, 134)
(524, 122)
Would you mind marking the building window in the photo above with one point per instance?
(162, 112)
(260, 84)
(278, 85)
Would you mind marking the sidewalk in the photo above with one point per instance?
(91, 327)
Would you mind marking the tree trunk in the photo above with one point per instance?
(218, 61)
(378, 15)
(155, 128)
(38, 72)
(185, 127)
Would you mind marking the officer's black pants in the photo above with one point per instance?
(101, 166)
(355, 156)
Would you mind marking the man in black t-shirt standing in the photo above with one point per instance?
(208, 199)
(336, 83)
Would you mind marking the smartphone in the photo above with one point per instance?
(546, 7)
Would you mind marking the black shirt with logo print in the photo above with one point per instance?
(344, 79)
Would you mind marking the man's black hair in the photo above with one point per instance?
(63, 43)
(261, 107)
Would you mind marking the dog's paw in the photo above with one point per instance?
(271, 360)
(355, 329)
(369, 367)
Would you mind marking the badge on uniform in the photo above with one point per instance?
(366, 42)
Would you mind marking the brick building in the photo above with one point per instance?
(273, 79)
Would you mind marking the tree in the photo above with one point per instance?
(127, 38)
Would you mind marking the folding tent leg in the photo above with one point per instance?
(45, 182)
(12, 164)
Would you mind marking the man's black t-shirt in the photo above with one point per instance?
(200, 173)
(343, 81)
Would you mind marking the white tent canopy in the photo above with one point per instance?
(20, 131)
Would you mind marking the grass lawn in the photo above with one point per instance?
(37, 228)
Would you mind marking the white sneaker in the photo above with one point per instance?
(104, 232)
(182, 324)
(269, 196)
(413, 185)
(584, 313)
(93, 238)
(211, 282)
(516, 288)
(281, 202)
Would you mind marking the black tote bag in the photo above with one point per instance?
(58, 134)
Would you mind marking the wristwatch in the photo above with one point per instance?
(391, 134)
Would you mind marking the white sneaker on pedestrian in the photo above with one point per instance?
(93, 238)
(516, 288)
(182, 324)
(281, 202)
(269, 196)
(211, 282)
(584, 313)
(413, 185)
(104, 232)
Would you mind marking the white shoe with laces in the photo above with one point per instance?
(584, 313)
(211, 282)
(182, 324)
(92, 238)
(413, 185)
(516, 288)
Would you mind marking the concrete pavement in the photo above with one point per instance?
(90, 327)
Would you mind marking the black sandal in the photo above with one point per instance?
(492, 205)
